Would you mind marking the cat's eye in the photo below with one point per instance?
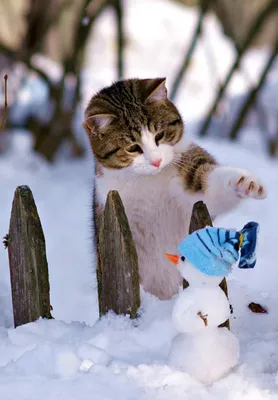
(135, 148)
(175, 122)
(159, 137)
(182, 258)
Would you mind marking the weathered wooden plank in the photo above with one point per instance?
(117, 270)
(200, 219)
(27, 259)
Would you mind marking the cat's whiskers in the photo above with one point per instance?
(181, 164)
(186, 168)
(177, 157)
(173, 169)
(189, 170)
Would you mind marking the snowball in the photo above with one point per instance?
(117, 366)
(197, 278)
(94, 354)
(86, 365)
(100, 340)
(206, 356)
(212, 303)
(48, 359)
(66, 364)
(37, 361)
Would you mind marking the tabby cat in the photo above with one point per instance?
(137, 137)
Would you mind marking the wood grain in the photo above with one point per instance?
(27, 259)
(117, 270)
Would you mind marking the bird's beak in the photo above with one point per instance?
(173, 258)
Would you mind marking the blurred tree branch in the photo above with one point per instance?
(60, 126)
(42, 16)
(39, 19)
(5, 108)
(118, 8)
(222, 13)
(13, 56)
(253, 31)
(204, 6)
(251, 98)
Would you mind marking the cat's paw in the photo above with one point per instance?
(246, 185)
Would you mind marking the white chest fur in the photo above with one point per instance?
(159, 219)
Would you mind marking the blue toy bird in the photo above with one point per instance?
(214, 250)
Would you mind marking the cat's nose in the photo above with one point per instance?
(156, 163)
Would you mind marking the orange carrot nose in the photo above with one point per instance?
(173, 258)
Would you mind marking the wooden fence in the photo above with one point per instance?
(117, 269)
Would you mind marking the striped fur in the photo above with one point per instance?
(115, 117)
(136, 135)
(194, 167)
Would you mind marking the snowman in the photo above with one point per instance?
(201, 348)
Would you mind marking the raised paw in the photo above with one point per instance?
(246, 185)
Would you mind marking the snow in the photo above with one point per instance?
(196, 277)
(201, 348)
(211, 302)
(207, 355)
(77, 356)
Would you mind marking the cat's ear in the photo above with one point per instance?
(155, 89)
(93, 123)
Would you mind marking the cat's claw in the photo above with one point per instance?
(248, 186)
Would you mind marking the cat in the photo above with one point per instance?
(137, 138)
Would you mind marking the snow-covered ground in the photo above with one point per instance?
(76, 356)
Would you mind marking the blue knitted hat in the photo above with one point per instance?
(214, 250)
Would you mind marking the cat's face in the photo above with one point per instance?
(133, 126)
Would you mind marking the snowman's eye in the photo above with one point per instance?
(182, 258)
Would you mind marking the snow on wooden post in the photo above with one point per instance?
(117, 270)
(200, 218)
(27, 258)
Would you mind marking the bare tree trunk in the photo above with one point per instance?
(39, 18)
(27, 258)
(50, 137)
